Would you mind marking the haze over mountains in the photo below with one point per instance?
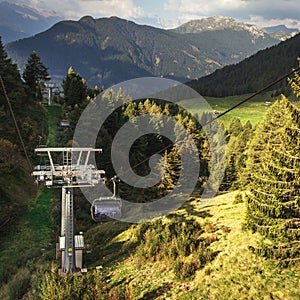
(19, 21)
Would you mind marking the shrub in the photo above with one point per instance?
(238, 198)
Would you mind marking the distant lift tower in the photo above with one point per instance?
(72, 170)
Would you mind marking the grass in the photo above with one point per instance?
(29, 241)
(253, 110)
(32, 233)
(234, 272)
(54, 112)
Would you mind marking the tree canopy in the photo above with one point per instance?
(35, 74)
(273, 201)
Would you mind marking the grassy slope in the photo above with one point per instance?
(31, 239)
(235, 273)
(26, 244)
(54, 112)
(252, 110)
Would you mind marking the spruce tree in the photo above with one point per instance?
(35, 74)
(75, 89)
(273, 201)
(8, 71)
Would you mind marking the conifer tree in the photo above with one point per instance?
(273, 201)
(75, 89)
(8, 71)
(35, 73)
(295, 82)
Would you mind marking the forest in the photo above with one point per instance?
(180, 256)
(252, 73)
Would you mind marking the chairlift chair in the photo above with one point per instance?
(105, 208)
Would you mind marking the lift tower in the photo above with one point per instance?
(71, 170)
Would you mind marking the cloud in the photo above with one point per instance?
(96, 8)
(170, 13)
(238, 9)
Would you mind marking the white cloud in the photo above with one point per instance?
(96, 8)
(169, 13)
(243, 10)
(261, 22)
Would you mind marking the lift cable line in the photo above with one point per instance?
(228, 110)
(15, 122)
(254, 94)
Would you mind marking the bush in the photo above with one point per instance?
(238, 198)
(184, 270)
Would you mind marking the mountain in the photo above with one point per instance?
(253, 73)
(109, 50)
(221, 23)
(281, 32)
(19, 21)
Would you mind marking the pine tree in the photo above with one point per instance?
(8, 71)
(295, 82)
(235, 127)
(75, 89)
(273, 201)
(236, 156)
(35, 74)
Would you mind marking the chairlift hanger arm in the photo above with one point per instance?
(68, 149)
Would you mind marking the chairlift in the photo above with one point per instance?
(64, 123)
(105, 208)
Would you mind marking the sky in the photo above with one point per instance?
(171, 13)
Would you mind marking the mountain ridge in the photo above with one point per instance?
(218, 23)
(109, 50)
(253, 73)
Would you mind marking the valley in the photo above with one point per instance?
(235, 236)
(116, 253)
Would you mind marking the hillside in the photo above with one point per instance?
(16, 186)
(124, 271)
(109, 50)
(253, 73)
(196, 252)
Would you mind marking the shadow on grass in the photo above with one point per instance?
(192, 210)
(158, 291)
(99, 240)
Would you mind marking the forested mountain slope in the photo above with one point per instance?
(16, 185)
(252, 73)
(110, 50)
